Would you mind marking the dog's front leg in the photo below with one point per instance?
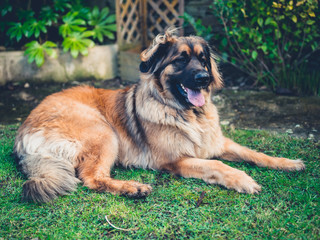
(214, 172)
(235, 152)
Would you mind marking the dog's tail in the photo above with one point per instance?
(49, 178)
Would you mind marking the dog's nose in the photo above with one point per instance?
(202, 77)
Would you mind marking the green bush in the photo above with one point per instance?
(272, 41)
(68, 23)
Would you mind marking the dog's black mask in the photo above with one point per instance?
(186, 65)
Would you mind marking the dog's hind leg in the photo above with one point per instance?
(95, 165)
(235, 152)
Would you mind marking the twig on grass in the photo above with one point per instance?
(122, 229)
(200, 198)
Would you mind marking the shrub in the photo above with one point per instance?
(68, 23)
(271, 41)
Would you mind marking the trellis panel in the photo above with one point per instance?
(128, 21)
(139, 21)
(162, 14)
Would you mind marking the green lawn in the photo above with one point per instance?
(287, 207)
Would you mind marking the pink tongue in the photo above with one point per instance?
(195, 97)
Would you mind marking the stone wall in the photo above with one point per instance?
(100, 64)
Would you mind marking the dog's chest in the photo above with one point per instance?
(199, 136)
(210, 140)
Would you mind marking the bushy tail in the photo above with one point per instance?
(48, 178)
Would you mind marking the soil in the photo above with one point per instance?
(246, 109)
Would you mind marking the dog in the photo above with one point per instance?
(165, 122)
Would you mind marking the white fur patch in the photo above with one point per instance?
(53, 145)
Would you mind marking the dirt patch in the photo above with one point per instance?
(299, 116)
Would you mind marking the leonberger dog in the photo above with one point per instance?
(165, 122)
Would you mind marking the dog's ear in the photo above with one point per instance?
(212, 66)
(217, 82)
(152, 56)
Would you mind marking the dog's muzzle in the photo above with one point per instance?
(202, 78)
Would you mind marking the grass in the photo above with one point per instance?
(287, 207)
(303, 80)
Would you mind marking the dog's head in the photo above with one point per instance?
(182, 68)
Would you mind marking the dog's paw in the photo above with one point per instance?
(241, 182)
(291, 165)
(135, 189)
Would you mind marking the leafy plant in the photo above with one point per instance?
(5, 7)
(62, 5)
(78, 42)
(36, 51)
(69, 22)
(48, 15)
(268, 39)
(15, 31)
(102, 23)
(34, 27)
(200, 29)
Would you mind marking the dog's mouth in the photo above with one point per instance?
(193, 96)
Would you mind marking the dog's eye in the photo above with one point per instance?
(203, 62)
(202, 59)
(181, 60)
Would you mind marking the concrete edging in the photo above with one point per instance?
(100, 64)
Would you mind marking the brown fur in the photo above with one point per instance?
(86, 131)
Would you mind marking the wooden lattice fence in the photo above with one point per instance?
(129, 23)
(161, 14)
(139, 21)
